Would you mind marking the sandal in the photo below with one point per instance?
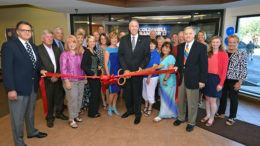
(145, 109)
(148, 113)
(115, 110)
(157, 119)
(204, 119)
(230, 122)
(221, 116)
(73, 124)
(78, 119)
(109, 112)
(105, 107)
(208, 124)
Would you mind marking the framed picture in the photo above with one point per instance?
(10, 33)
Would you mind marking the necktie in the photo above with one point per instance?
(133, 43)
(60, 46)
(186, 53)
(30, 52)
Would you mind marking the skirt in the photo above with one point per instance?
(210, 88)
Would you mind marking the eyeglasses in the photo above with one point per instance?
(25, 30)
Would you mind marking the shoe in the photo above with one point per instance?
(39, 135)
(204, 119)
(177, 122)
(221, 116)
(61, 116)
(50, 123)
(78, 119)
(145, 109)
(95, 116)
(230, 121)
(208, 124)
(73, 124)
(189, 128)
(115, 110)
(147, 113)
(157, 119)
(125, 115)
(109, 113)
(137, 120)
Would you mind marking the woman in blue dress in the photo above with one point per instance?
(168, 108)
(111, 67)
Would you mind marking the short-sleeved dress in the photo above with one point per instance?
(168, 107)
(113, 67)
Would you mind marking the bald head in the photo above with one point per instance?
(152, 34)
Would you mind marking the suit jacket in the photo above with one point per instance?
(17, 68)
(55, 45)
(132, 60)
(45, 59)
(196, 67)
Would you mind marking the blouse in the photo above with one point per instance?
(70, 65)
(237, 66)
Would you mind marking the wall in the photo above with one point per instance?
(39, 18)
(230, 15)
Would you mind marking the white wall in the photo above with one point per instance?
(230, 15)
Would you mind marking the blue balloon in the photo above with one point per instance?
(230, 31)
(226, 42)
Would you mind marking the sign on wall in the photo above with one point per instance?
(161, 30)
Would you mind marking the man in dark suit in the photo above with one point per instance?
(49, 59)
(21, 73)
(192, 64)
(133, 54)
(58, 37)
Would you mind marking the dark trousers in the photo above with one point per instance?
(133, 95)
(228, 90)
(94, 99)
(55, 97)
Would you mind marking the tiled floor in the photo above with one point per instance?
(114, 131)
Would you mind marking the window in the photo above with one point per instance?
(248, 29)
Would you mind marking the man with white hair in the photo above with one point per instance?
(153, 35)
(58, 37)
(49, 58)
(133, 54)
(192, 64)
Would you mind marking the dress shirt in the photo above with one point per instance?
(52, 56)
(23, 42)
(136, 37)
(70, 65)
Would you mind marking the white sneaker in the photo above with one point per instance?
(157, 119)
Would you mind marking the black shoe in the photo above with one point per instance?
(39, 135)
(177, 122)
(95, 116)
(61, 116)
(50, 123)
(189, 128)
(126, 114)
(137, 120)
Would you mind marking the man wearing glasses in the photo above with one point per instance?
(21, 73)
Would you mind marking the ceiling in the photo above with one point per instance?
(69, 6)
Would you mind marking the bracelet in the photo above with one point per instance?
(164, 80)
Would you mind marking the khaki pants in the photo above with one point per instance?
(74, 97)
(189, 97)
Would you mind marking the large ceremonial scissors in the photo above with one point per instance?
(143, 70)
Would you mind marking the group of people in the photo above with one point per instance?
(205, 68)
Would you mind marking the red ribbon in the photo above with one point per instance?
(105, 80)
